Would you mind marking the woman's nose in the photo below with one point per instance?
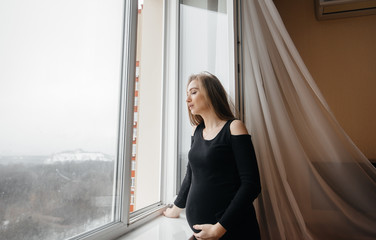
(188, 99)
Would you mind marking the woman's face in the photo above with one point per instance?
(196, 98)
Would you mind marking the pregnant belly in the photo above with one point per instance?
(205, 205)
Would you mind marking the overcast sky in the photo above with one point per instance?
(60, 75)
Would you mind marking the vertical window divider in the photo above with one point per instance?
(170, 106)
(239, 84)
(164, 132)
(127, 103)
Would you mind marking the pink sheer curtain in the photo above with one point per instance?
(316, 183)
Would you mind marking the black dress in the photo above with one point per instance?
(221, 182)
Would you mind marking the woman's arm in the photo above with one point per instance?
(181, 199)
(246, 164)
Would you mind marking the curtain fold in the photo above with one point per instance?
(316, 182)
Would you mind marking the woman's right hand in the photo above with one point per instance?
(172, 212)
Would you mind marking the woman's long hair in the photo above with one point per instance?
(216, 96)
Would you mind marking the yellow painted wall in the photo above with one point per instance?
(341, 56)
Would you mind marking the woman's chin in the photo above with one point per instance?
(193, 112)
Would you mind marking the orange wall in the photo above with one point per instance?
(341, 56)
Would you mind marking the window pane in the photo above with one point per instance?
(146, 158)
(204, 46)
(60, 84)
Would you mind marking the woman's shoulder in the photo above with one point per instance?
(237, 127)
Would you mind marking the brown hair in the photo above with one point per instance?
(216, 96)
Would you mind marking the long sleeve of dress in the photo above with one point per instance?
(250, 187)
(181, 199)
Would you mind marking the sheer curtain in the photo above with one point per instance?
(316, 183)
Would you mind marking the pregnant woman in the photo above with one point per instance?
(222, 178)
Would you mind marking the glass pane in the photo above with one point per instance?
(146, 156)
(59, 103)
(204, 46)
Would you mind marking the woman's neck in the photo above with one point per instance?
(211, 120)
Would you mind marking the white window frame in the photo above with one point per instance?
(170, 101)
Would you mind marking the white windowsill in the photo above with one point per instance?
(161, 228)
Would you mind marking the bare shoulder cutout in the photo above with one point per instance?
(237, 127)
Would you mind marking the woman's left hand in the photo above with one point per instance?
(209, 231)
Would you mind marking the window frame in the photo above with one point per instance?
(170, 101)
(128, 221)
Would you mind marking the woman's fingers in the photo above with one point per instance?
(198, 227)
(172, 212)
(204, 233)
(207, 232)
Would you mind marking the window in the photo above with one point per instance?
(74, 161)
(205, 44)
